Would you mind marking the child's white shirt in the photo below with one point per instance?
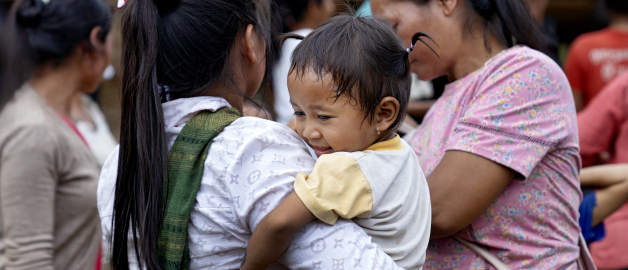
(383, 189)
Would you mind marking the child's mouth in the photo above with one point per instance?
(319, 151)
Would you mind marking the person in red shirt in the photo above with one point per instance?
(596, 58)
(603, 126)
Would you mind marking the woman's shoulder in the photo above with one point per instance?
(25, 110)
(523, 57)
(27, 117)
(252, 131)
(530, 72)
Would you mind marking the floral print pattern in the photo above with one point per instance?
(518, 111)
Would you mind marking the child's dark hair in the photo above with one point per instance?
(184, 45)
(364, 56)
(52, 30)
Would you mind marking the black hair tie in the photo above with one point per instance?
(417, 37)
(29, 14)
(165, 6)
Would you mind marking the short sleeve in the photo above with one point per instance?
(522, 109)
(335, 188)
(573, 67)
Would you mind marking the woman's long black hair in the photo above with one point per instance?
(184, 45)
(509, 20)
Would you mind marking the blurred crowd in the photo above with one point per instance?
(54, 137)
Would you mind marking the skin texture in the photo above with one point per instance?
(463, 185)
(80, 72)
(328, 125)
(250, 50)
(611, 182)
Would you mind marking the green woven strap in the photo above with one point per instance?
(186, 161)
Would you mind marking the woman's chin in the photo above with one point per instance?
(422, 73)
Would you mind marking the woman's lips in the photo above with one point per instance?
(319, 151)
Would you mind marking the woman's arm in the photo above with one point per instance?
(609, 200)
(603, 176)
(612, 184)
(462, 187)
(274, 233)
(27, 198)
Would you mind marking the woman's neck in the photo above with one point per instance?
(234, 99)
(57, 86)
(474, 55)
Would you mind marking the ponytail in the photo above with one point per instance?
(142, 162)
(183, 47)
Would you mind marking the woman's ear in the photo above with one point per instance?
(97, 53)
(386, 112)
(98, 46)
(94, 57)
(448, 6)
(252, 46)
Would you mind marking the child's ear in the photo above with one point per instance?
(387, 112)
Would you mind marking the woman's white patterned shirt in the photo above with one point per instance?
(250, 169)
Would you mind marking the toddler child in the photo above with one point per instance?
(349, 86)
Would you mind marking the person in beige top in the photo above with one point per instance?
(48, 175)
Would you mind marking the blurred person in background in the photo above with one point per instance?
(500, 140)
(603, 127)
(598, 57)
(48, 176)
(300, 17)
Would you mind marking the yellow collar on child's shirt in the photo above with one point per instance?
(392, 144)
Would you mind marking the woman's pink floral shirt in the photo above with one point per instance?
(518, 111)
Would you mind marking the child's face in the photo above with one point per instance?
(327, 124)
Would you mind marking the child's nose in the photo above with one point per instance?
(311, 133)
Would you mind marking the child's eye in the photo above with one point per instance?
(299, 113)
(322, 117)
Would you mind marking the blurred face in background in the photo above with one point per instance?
(326, 9)
(93, 61)
(315, 12)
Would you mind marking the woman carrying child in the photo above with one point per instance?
(192, 179)
(500, 147)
